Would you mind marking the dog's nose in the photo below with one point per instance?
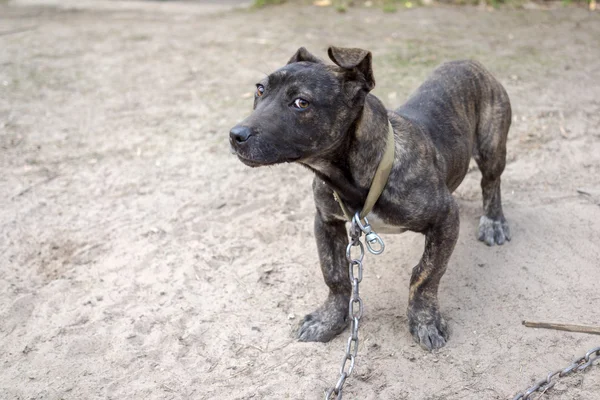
(240, 134)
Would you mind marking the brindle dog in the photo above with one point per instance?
(323, 117)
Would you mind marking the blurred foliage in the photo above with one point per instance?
(262, 3)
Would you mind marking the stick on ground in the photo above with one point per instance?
(594, 330)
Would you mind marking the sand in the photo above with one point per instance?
(139, 259)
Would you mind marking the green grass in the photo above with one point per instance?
(390, 6)
(263, 3)
(341, 5)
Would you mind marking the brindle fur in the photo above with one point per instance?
(458, 112)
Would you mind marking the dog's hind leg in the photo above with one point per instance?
(332, 317)
(490, 155)
(425, 322)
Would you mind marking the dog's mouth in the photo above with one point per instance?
(247, 161)
(251, 162)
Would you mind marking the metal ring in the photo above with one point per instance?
(538, 385)
(568, 370)
(344, 361)
(532, 390)
(355, 288)
(354, 328)
(366, 228)
(592, 351)
(340, 383)
(351, 308)
(349, 252)
(590, 360)
(349, 348)
(360, 270)
(376, 239)
(584, 366)
(550, 382)
(329, 393)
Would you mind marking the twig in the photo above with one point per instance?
(581, 191)
(594, 330)
(43, 182)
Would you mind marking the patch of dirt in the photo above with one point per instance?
(154, 265)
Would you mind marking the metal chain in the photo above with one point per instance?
(355, 311)
(579, 365)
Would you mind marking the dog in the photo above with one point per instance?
(324, 117)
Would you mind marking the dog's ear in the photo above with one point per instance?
(354, 60)
(304, 55)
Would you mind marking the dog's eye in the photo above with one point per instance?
(300, 104)
(260, 89)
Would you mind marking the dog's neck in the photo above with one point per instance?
(349, 170)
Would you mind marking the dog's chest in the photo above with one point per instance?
(380, 226)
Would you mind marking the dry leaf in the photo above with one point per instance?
(322, 3)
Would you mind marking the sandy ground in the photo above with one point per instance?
(140, 260)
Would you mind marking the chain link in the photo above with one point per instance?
(579, 365)
(355, 305)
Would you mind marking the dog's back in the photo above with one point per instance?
(459, 103)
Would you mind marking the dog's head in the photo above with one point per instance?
(303, 111)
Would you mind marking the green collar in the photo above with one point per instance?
(379, 180)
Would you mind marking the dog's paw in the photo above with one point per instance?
(430, 334)
(493, 231)
(322, 325)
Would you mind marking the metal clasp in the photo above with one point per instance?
(372, 239)
(374, 243)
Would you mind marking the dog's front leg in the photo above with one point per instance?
(332, 317)
(426, 324)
